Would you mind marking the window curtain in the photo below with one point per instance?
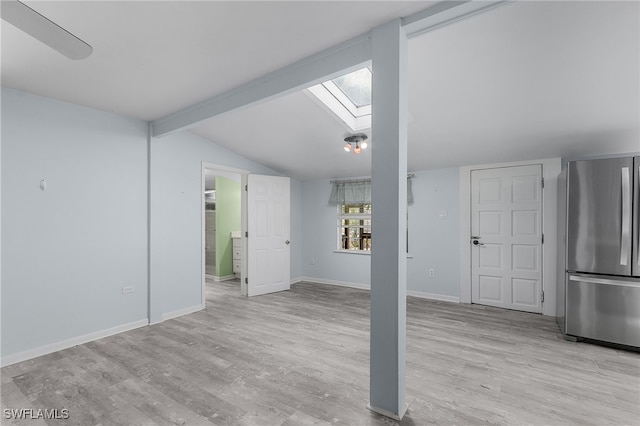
(358, 192)
(351, 192)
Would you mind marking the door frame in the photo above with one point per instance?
(551, 168)
(243, 222)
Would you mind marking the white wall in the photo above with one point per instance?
(68, 251)
(433, 242)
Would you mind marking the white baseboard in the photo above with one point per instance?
(225, 278)
(181, 312)
(68, 343)
(338, 283)
(433, 296)
(296, 280)
(420, 294)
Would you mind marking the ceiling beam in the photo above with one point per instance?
(325, 65)
(445, 13)
(330, 63)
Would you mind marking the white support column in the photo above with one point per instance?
(389, 207)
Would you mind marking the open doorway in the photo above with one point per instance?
(223, 225)
(267, 198)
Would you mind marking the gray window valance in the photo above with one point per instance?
(351, 192)
(357, 192)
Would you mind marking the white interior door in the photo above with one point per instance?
(506, 237)
(268, 238)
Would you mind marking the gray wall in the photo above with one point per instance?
(296, 230)
(319, 236)
(433, 242)
(176, 216)
(68, 251)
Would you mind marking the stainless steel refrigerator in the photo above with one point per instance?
(599, 274)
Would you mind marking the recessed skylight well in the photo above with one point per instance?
(348, 97)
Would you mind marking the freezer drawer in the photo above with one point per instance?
(603, 308)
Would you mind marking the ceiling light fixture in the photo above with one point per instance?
(357, 142)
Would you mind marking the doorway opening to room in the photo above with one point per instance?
(234, 201)
(223, 225)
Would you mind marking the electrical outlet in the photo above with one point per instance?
(432, 272)
(128, 289)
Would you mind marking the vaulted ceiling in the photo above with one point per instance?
(525, 80)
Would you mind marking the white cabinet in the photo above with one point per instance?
(237, 252)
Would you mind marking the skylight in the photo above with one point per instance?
(348, 97)
(357, 86)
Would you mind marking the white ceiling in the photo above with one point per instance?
(526, 80)
(151, 58)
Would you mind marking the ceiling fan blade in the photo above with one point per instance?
(31, 22)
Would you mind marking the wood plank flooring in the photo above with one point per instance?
(302, 357)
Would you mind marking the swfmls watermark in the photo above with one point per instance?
(35, 413)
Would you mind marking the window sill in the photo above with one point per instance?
(360, 252)
(366, 253)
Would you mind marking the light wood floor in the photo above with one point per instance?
(302, 357)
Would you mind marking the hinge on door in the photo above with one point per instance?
(246, 280)
(542, 238)
(246, 187)
(246, 234)
(542, 182)
(542, 297)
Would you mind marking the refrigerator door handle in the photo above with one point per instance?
(625, 234)
(595, 280)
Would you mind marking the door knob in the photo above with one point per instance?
(287, 242)
(477, 243)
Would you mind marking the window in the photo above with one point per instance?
(354, 227)
(353, 199)
(348, 97)
(356, 86)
